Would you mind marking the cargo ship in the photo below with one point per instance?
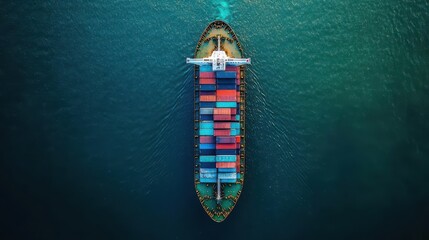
(219, 119)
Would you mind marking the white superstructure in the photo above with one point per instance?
(219, 60)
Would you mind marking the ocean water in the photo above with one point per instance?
(96, 119)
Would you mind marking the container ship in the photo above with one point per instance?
(219, 119)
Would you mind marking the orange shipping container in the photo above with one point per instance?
(225, 92)
(237, 139)
(222, 111)
(226, 164)
(208, 98)
(207, 81)
(237, 164)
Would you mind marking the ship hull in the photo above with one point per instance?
(210, 93)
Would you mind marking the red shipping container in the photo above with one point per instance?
(226, 92)
(208, 98)
(222, 117)
(226, 145)
(207, 81)
(233, 111)
(237, 145)
(207, 75)
(207, 139)
(222, 132)
(237, 81)
(235, 69)
(222, 111)
(226, 164)
(237, 139)
(237, 163)
(222, 125)
(226, 98)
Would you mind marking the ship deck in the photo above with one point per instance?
(219, 210)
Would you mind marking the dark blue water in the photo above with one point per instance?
(96, 120)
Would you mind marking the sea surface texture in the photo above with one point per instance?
(97, 128)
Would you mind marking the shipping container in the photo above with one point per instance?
(225, 139)
(208, 87)
(206, 117)
(207, 146)
(222, 117)
(208, 180)
(207, 139)
(226, 81)
(207, 124)
(206, 110)
(222, 125)
(226, 170)
(207, 159)
(226, 105)
(233, 111)
(208, 175)
(237, 139)
(225, 164)
(226, 74)
(235, 131)
(226, 87)
(225, 158)
(235, 125)
(208, 170)
(226, 98)
(232, 175)
(208, 93)
(226, 146)
(207, 75)
(227, 151)
(206, 68)
(237, 163)
(222, 111)
(226, 92)
(207, 152)
(208, 98)
(207, 81)
(222, 132)
(207, 104)
(237, 117)
(228, 180)
(208, 165)
(206, 132)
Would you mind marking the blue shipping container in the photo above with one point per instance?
(206, 110)
(207, 146)
(207, 159)
(226, 74)
(206, 132)
(208, 175)
(225, 87)
(228, 180)
(208, 87)
(207, 124)
(206, 117)
(235, 125)
(227, 175)
(207, 165)
(207, 104)
(208, 170)
(226, 152)
(226, 81)
(208, 180)
(207, 152)
(237, 117)
(235, 132)
(226, 169)
(225, 158)
(226, 104)
(206, 68)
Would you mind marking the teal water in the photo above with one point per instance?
(96, 120)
